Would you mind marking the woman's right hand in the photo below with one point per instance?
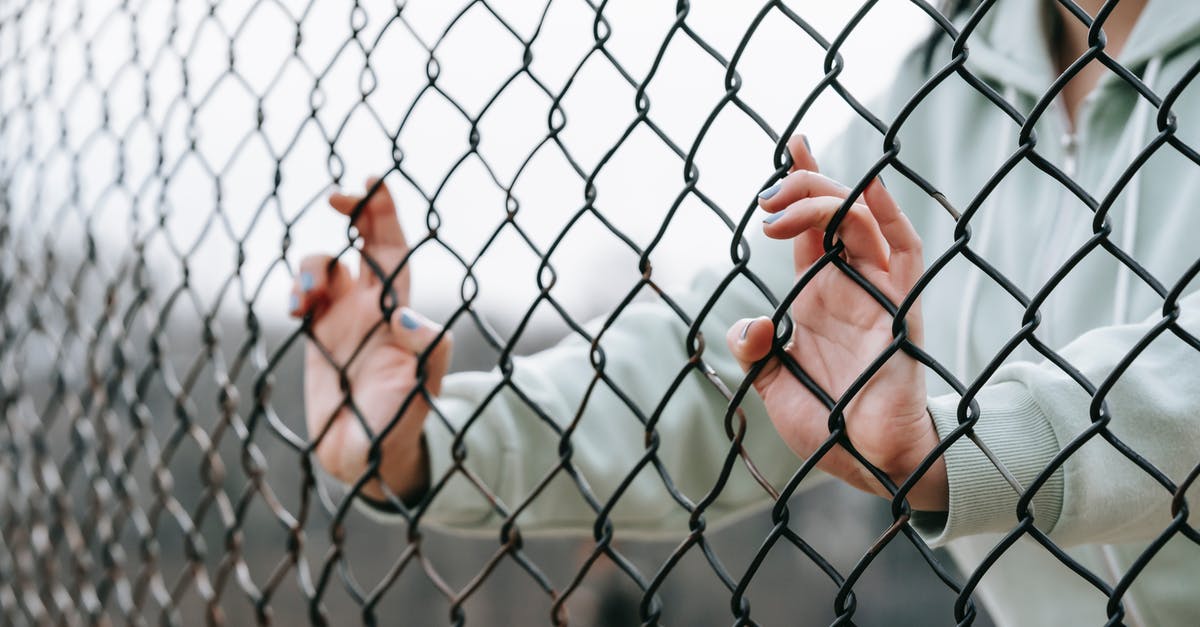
(380, 376)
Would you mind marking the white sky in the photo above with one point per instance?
(635, 189)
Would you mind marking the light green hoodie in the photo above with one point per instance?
(1099, 506)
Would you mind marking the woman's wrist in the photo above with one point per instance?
(407, 480)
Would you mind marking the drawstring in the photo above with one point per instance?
(1141, 120)
(974, 274)
(971, 296)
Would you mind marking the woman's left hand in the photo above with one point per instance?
(839, 330)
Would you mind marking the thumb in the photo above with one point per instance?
(425, 339)
(749, 341)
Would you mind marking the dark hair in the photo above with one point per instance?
(951, 9)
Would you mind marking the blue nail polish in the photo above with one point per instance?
(881, 181)
(770, 191)
(771, 219)
(306, 281)
(807, 146)
(745, 330)
(407, 321)
(294, 302)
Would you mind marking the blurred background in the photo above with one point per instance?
(164, 168)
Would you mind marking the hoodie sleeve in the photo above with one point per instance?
(1030, 412)
(510, 424)
(635, 401)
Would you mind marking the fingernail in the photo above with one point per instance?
(770, 191)
(294, 302)
(306, 281)
(807, 146)
(773, 217)
(881, 181)
(408, 321)
(745, 330)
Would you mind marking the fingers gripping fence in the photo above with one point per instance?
(128, 494)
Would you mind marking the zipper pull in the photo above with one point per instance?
(1070, 147)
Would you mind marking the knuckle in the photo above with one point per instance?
(857, 216)
(794, 184)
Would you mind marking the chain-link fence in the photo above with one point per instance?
(164, 166)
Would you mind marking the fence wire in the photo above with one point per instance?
(148, 416)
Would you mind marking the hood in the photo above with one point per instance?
(1010, 45)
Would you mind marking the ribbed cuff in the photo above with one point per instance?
(1016, 431)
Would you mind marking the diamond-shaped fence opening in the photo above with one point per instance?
(576, 182)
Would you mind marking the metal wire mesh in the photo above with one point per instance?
(129, 494)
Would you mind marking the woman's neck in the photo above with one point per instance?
(1072, 41)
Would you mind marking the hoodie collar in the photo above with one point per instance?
(1164, 27)
(1011, 43)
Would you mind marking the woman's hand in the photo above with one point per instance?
(840, 330)
(382, 374)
